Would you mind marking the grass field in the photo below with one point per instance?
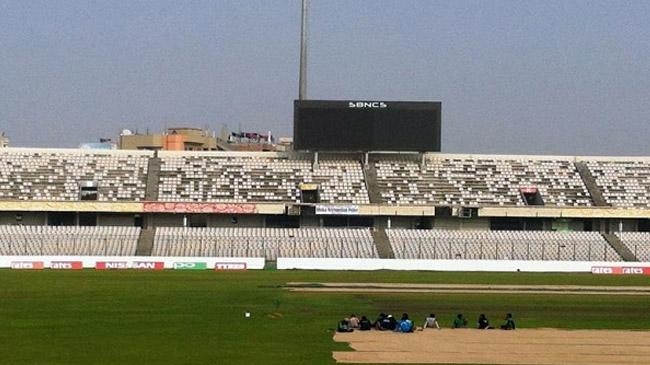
(175, 317)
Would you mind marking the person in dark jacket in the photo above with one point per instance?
(344, 326)
(483, 323)
(364, 324)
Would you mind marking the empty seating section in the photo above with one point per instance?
(68, 240)
(623, 184)
(638, 243)
(264, 242)
(257, 179)
(480, 181)
(55, 175)
(500, 245)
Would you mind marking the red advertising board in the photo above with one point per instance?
(230, 208)
(149, 265)
(230, 266)
(66, 265)
(620, 270)
(27, 265)
(111, 265)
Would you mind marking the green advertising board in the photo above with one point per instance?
(190, 265)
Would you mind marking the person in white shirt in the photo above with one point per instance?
(431, 322)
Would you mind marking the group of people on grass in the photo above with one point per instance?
(483, 323)
(386, 322)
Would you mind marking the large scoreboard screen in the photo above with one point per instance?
(328, 125)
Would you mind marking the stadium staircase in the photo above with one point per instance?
(590, 183)
(382, 243)
(370, 175)
(153, 179)
(619, 247)
(145, 242)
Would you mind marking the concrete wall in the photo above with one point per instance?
(310, 221)
(108, 219)
(167, 220)
(226, 220)
(28, 218)
(466, 224)
(447, 265)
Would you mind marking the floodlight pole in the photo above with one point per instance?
(302, 80)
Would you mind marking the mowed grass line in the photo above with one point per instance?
(173, 317)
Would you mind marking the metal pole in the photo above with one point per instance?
(302, 88)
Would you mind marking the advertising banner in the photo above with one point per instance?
(148, 265)
(337, 209)
(190, 266)
(620, 270)
(66, 265)
(219, 266)
(27, 265)
(226, 208)
(111, 265)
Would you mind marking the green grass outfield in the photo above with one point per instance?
(183, 317)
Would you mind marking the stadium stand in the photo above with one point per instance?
(480, 180)
(264, 242)
(638, 243)
(393, 182)
(68, 240)
(56, 175)
(220, 177)
(624, 184)
(501, 245)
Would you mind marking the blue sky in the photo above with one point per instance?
(516, 77)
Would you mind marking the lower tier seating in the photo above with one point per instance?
(638, 243)
(68, 240)
(500, 245)
(264, 242)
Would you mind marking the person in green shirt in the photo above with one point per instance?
(509, 323)
(459, 322)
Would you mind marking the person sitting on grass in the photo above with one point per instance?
(380, 318)
(344, 326)
(364, 324)
(459, 322)
(431, 322)
(509, 324)
(353, 321)
(483, 323)
(405, 325)
(388, 323)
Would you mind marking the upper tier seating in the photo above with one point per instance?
(480, 181)
(228, 178)
(55, 175)
(500, 245)
(264, 242)
(623, 183)
(68, 240)
(638, 243)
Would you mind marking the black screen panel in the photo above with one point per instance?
(324, 125)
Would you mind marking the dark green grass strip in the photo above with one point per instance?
(170, 317)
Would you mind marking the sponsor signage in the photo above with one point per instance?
(620, 270)
(190, 266)
(230, 266)
(171, 207)
(148, 265)
(111, 265)
(27, 265)
(367, 104)
(66, 265)
(337, 209)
